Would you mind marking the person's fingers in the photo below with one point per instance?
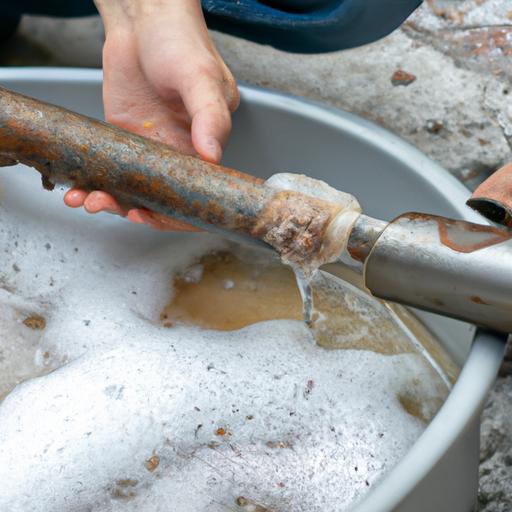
(135, 216)
(177, 55)
(98, 201)
(158, 221)
(75, 198)
(210, 129)
(131, 102)
(207, 105)
(164, 79)
(230, 87)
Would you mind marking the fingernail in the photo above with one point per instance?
(214, 149)
(135, 216)
(75, 195)
(145, 216)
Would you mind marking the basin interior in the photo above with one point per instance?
(266, 139)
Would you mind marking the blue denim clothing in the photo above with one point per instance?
(306, 26)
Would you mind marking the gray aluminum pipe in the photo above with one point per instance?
(453, 268)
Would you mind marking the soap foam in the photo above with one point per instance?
(140, 417)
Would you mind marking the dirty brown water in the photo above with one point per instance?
(223, 292)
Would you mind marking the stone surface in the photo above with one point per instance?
(457, 109)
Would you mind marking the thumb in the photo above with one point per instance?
(208, 101)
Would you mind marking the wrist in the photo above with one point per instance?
(116, 14)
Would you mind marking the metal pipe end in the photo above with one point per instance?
(491, 209)
(493, 198)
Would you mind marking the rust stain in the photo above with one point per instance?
(363, 236)
(482, 236)
(478, 300)
(295, 225)
(488, 47)
(494, 196)
(434, 126)
(401, 77)
(152, 463)
(68, 148)
(35, 322)
(360, 251)
(127, 482)
(488, 40)
(495, 235)
(240, 175)
(213, 213)
(250, 506)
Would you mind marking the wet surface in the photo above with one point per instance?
(229, 294)
(224, 292)
(231, 406)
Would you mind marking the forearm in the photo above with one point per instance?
(117, 13)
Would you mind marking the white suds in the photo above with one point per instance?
(137, 417)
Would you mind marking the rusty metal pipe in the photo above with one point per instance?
(68, 148)
(364, 235)
(454, 268)
(493, 198)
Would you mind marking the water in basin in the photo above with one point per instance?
(177, 374)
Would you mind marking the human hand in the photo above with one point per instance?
(163, 79)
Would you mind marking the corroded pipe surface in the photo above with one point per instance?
(363, 237)
(68, 148)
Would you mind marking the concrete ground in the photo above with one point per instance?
(457, 108)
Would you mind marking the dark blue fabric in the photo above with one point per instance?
(307, 26)
(59, 8)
